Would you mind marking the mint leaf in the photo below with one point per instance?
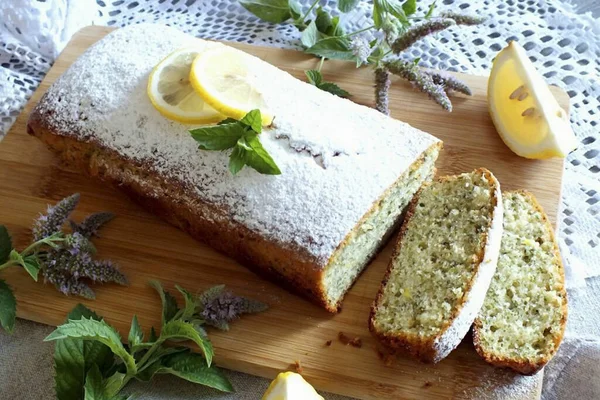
(153, 336)
(74, 357)
(192, 367)
(347, 5)
(190, 303)
(295, 10)
(253, 120)
(32, 266)
(334, 48)
(409, 7)
(169, 304)
(5, 244)
(324, 22)
(237, 160)
(314, 77)
(258, 158)
(218, 137)
(94, 387)
(136, 336)
(178, 330)
(113, 384)
(430, 11)
(8, 307)
(334, 89)
(99, 331)
(275, 11)
(388, 6)
(310, 35)
(154, 364)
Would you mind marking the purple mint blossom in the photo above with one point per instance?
(51, 223)
(361, 49)
(449, 82)
(382, 88)
(90, 225)
(420, 80)
(416, 33)
(221, 307)
(76, 244)
(462, 19)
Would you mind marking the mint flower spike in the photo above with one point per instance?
(416, 33)
(421, 80)
(382, 87)
(449, 82)
(219, 307)
(361, 49)
(462, 19)
(51, 223)
(91, 224)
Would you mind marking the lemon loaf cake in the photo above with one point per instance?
(347, 171)
(522, 321)
(444, 262)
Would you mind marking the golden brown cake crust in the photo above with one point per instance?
(424, 349)
(528, 367)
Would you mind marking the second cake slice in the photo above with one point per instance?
(443, 265)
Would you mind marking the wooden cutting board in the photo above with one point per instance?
(293, 329)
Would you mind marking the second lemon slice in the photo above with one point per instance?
(227, 79)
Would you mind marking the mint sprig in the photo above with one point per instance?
(92, 363)
(315, 78)
(242, 137)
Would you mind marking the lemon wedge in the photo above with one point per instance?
(526, 115)
(226, 79)
(290, 386)
(171, 93)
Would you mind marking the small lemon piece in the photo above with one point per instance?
(227, 79)
(290, 386)
(526, 115)
(171, 93)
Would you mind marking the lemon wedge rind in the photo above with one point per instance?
(290, 386)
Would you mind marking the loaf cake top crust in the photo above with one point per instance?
(337, 158)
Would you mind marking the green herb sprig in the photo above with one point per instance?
(92, 363)
(242, 137)
(394, 28)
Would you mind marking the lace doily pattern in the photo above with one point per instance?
(563, 45)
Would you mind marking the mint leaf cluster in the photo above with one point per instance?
(395, 26)
(91, 362)
(315, 78)
(63, 259)
(242, 137)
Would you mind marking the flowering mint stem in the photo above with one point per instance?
(321, 64)
(9, 263)
(359, 31)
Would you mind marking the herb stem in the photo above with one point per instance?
(321, 64)
(359, 31)
(9, 263)
(310, 9)
(146, 357)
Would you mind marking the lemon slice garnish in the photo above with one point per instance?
(290, 386)
(526, 115)
(227, 79)
(171, 93)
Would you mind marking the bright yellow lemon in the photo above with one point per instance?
(527, 116)
(290, 386)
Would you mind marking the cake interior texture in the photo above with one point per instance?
(523, 315)
(364, 240)
(437, 258)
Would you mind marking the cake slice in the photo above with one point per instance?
(522, 321)
(442, 267)
(348, 171)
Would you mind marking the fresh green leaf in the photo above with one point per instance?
(237, 160)
(409, 7)
(94, 387)
(5, 244)
(8, 307)
(259, 159)
(74, 357)
(416, 61)
(218, 137)
(152, 365)
(430, 11)
(153, 336)
(347, 5)
(332, 47)
(32, 266)
(190, 303)
(275, 11)
(393, 7)
(136, 336)
(227, 121)
(194, 368)
(310, 35)
(314, 77)
(336, 28)
(334, 89)
(169, 304)
(295, 9)
(253, 120)
(323, 22)
(99, 331)
(113, 384)
(178, 329)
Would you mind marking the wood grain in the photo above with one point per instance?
(293, 329)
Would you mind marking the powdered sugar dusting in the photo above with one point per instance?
(336, 157)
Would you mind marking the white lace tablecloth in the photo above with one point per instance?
(564, 46)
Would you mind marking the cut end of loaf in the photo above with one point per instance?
(442, 267)
(523, 317)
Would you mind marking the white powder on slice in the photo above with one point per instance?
(336, 157)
